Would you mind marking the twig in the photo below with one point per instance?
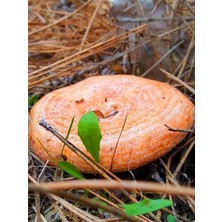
(139, 7)
(178, 80)
(171, 177)
(60, 212)
(183, 159)
(179, 130)
(117, 143)
(90, 23)
(185, 59)
(43, 170)
(113, 184)
(159, 60)
(37, 207)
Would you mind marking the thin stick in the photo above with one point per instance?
(43, 170)
(178, 80)
(114, 185)
(172, 178)
(117, 143)
(183, 159)
(159, 60)
(37, 207)
(139, 7)
(60, 212)
(185, 59)
(90, 23)
(179, 130)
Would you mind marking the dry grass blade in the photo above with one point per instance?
(177, 14)
(37, 206)
(77, 211)
(60, 20)
(60, 212)
(90, 23)
(91, 50)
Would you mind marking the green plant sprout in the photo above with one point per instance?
(171, 218)
(145, 206)
(33, 99)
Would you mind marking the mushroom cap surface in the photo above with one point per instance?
(148, 105)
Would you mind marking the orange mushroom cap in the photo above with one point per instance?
(149, 105)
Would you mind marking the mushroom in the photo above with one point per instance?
(149, 106)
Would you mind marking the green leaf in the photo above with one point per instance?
(145, 206)
(33, 99)
(171, 218)
(70, 169)
(90, 134)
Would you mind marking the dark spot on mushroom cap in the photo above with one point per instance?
(79, 101)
